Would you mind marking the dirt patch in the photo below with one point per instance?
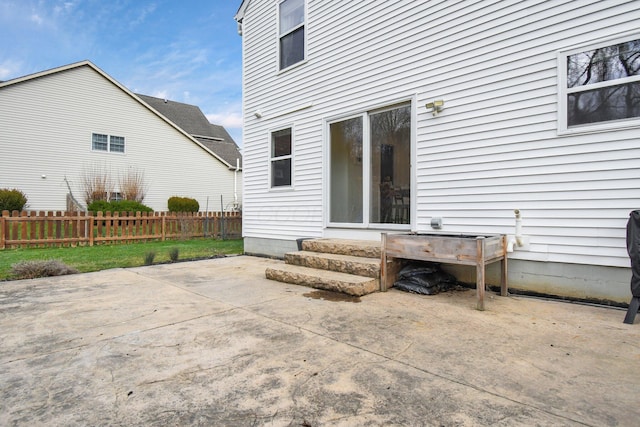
(331, 296)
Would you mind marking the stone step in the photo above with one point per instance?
(367, 267)
(323, 279)
(360, 248)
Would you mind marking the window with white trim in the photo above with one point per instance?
(291, 32)
(601, 85)
(281, 158)
(108, 143)
(99, 142)
(116, 144)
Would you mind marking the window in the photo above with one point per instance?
(291, 32)
(281, 158)
(601, 84)
(114, 144)
(99, 142)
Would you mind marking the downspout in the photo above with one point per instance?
(519, 240)
(235, 184)
(516, 240)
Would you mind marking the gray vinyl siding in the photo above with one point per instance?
(47, 123)
(495, 147)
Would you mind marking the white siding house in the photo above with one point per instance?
(540, 112)
(59, 125)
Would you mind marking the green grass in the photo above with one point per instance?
(102, 257)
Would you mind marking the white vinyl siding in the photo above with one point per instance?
(60, 114)
(494, 148)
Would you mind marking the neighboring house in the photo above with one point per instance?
(215, 137)
(468, 110)
(60, 125)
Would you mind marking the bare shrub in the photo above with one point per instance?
(132, 185)
(40, 268)
(96, 184)
(174, 253)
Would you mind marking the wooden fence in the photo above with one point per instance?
(46, 229)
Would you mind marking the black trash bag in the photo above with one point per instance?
(437, 279)
(633, 249)
(413, 269)
(425, 279)
(409, 286)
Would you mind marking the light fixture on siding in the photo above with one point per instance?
(436, 107)
(258, 114)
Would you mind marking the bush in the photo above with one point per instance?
(12, 200)
(99, 206)
(173, 254)
(118, 206)
(183, 204)
(40, 268)
(130, 206)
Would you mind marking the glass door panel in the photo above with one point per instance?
(346, 192)
(390, 186)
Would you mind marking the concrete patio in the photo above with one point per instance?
(215, 343)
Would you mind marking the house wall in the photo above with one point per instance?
(493, 149)
(46, 126)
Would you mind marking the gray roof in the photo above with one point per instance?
(190, 119)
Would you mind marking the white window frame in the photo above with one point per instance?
(563, 91)
(109, 144)
(291, 30)
(114, 196)
(273, 159)
(365, 113)
(93, 142)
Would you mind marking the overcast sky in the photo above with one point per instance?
(184, 50)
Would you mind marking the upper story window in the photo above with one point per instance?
(116, 144)
(100, 142)
(601, 86)
(110, 143)
(281, 157)
(291, 32)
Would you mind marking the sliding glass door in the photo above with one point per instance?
(370, 176)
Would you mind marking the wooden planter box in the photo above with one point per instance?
(463, 249)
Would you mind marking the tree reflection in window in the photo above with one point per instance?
(604, 84)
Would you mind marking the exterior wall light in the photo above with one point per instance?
(436, 107)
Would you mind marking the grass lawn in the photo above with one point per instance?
(102, 257)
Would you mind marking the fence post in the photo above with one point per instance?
(164, 225)
(91, 226)
(3, 230)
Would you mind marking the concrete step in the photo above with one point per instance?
(322, 279)
(367, 267)
(360, 248)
